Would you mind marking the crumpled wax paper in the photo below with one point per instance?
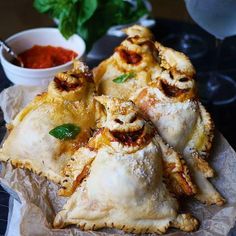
(15, 98)
(40, 202)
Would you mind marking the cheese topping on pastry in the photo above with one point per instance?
(69, 100)
(131, 134)
(163, 87)
(124, 185)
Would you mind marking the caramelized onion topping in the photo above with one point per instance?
(130, 57)
(128, 138)
(172, 91)
(65, 86)
(88, 75)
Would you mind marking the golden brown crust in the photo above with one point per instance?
(151, 63)
(204, 147)
(137, 30)
(163, 87)
(75, 171)
(70, 99)
(180, 182)
(123, 176)
(175, 61)
(202, 165)
(185, 222)
(176, 172)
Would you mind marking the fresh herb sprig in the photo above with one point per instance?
(90, 18)
(122, 78)
(65, 131)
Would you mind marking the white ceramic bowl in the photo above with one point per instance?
(40, 36)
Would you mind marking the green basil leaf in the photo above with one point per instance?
(68, 21)
(43, 6)
(86, 10)
(107, 14)
(65, 131)
(122, 78)
(90, 18)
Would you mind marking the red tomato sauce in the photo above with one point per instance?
(40, 57)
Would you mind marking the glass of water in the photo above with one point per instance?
(218, 17)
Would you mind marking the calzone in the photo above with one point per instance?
(69, 103)
(123, 185)
(160, 81)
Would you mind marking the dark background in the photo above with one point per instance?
(18, 15)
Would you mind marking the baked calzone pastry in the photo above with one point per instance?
(45, 134)
(160, 82)
(119, 178)
(122, 122)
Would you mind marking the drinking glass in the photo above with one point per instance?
(191, 44)
(217, 17)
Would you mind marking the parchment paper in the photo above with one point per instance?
(40, 202)
(15, 98)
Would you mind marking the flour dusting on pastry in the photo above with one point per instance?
(163, 88)
(124, 187)
(69, 100)
(123, 143)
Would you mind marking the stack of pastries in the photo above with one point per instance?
(136, 138)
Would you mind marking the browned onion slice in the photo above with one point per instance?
(128, 138)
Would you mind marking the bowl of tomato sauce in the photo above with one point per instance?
(44, 52)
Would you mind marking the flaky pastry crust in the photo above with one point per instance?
(119, 179)
(69, 100)
(162, 86)
(125, 130)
